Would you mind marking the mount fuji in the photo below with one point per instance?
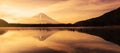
(41, 18)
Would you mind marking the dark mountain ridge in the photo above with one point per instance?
(3, 23)
(108, 19)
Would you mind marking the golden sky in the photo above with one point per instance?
(65, 11)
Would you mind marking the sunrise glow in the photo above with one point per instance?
(64, 11)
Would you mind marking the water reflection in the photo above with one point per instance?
(2, 32)
(54, 41)
(109, 34)
(39, 34)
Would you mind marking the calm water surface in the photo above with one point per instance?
(58, 41)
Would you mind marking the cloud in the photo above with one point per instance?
(73, 10)
(81, 9)
(28, 3)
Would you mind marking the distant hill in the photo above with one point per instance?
(3, 23)
(108, 19)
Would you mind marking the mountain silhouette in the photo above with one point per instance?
(41, 18)
(3, 23)
(44, 19)
(108, 19)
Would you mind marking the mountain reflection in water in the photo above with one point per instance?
(54, 41)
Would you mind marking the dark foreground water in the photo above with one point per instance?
(60, 41)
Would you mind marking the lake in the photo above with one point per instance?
(59, 40)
